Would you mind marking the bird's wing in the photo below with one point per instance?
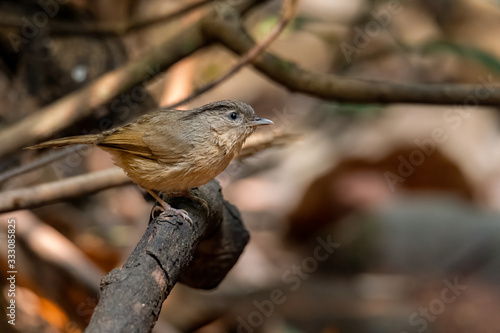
(150, 137)
(170, 145)
(128, 138)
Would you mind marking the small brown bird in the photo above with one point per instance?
(175, 150)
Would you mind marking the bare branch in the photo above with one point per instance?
(287, 13)
(337, 88)
(63, 189)
(134, 26)
(265, 141)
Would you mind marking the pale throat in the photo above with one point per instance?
(230, 143)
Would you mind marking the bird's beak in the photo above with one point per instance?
(260, 121)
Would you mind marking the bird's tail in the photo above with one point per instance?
(71, 140)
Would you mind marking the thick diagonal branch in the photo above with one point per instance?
(132, 296)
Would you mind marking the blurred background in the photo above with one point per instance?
(363, 217)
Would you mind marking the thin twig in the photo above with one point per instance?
(134, 26)
(43, 194)
(263, 142)
(40, 162)
(288, 11)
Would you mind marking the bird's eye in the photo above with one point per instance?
(233, 116)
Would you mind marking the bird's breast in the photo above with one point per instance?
(197, 167)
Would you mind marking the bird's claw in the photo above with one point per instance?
(182, 213)
(163, 210)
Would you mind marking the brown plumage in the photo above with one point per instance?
(175, 150)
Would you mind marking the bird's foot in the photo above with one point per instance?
(163, 210)
(165, 207)
(182, 213)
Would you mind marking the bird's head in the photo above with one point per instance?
(231, 121)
